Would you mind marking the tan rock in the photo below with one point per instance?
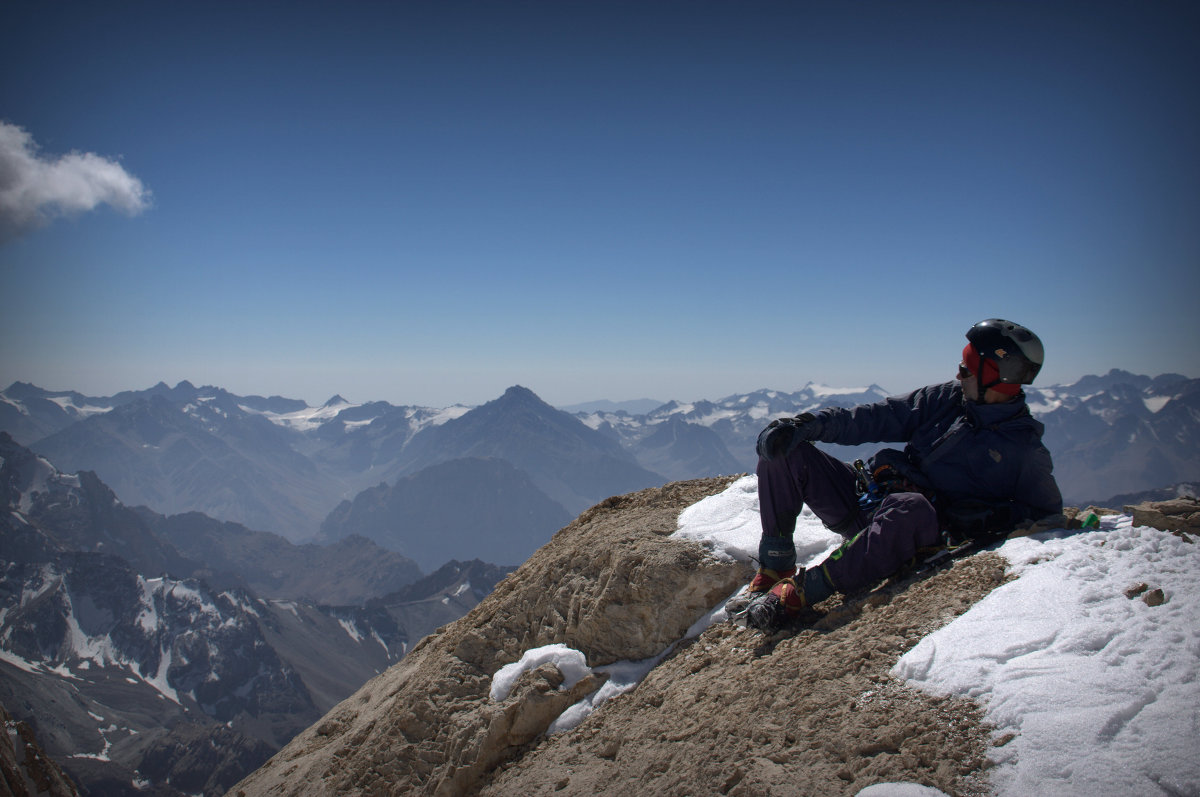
(611, 585)
(1179, 514)
(1155, 597)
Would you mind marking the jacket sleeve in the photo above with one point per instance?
(1037, 490)
(893, 420)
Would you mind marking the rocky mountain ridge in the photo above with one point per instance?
(350, 570)
(269, 466)
(25, 768)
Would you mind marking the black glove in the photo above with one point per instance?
(889, 480)
(978, 519)
(783, 435)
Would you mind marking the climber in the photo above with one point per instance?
(974, 467)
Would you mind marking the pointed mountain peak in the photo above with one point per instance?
(517, 392)
(522, 397)
(518, 396)
(335, 401)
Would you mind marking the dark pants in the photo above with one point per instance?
(878, 543)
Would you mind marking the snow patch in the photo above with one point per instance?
(148, 618)
(8, 657)
(375, 635)
(1097, 688)
(68, 405)
(728, 525)
(439, 417)
(304, 420)
(39, 483)
(351, 629)
(287, 605)
(159, 679)
(570, 662)
(1156, 403)
(820, 391)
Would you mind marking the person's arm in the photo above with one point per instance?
(893, 420)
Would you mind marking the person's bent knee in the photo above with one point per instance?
(918, 513)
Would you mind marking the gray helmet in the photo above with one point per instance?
(1016, 351)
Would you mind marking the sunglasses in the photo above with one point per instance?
(963, 371)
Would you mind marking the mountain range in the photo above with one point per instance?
(171, 655)
(1111, 434)
(516, 468)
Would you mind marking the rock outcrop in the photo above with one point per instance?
(1178, 515)
(610, 585)
(25, 769)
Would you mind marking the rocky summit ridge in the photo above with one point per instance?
(728, 712)
(812, 712)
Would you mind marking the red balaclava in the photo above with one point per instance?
(990, 374)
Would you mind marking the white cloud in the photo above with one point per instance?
(35, 189)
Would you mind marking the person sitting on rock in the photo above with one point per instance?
(974, 467)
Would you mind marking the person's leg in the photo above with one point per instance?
(809, 476)
(903, 524)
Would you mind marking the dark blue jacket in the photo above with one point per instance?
(961, 452)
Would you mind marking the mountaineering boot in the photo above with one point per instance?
(762, 582)
(766, 578)
(782, 603)
(788, 599)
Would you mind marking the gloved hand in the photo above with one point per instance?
(889, 480)
(978, 519)
(782, 435)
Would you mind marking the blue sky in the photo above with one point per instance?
(426, 203)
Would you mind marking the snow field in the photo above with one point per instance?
(1095, 688)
